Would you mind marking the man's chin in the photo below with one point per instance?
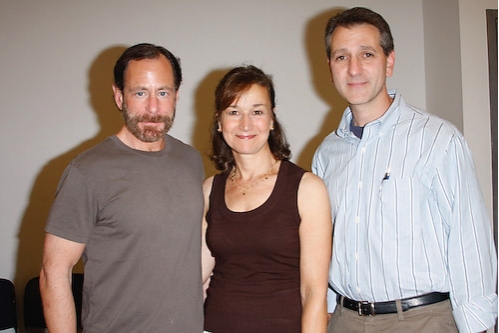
(153, 132)
(151, 137)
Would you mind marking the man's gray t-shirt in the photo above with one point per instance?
(139, 214)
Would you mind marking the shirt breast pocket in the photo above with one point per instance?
(401, 207)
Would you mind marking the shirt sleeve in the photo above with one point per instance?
(317, 164)
(75, 208)
(331, 300)
(471, 259)
(317, 169)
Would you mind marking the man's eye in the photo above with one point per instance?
(140, 93)
(163, 93)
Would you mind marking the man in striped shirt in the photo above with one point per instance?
(413, 249)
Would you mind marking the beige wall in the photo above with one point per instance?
(443, 60)
(456, 75)
(475, 88)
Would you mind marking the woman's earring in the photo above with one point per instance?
(219, 130)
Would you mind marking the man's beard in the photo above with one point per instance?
(147, 133)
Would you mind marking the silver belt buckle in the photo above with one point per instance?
(371, 308)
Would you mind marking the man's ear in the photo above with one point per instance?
(329, 67)
(118, 97)
(390, 63)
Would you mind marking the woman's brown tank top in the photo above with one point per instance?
(255, 285)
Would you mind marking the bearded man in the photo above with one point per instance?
(132, 207)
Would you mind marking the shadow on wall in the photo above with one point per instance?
(31, 232)
(321, 81)
(204, 110)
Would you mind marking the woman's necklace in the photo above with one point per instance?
(259, 179)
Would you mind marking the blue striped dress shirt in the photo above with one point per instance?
(408, 214)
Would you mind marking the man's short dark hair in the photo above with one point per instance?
(357, 16)
(145, 51)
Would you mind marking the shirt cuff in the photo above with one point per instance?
(477, 315)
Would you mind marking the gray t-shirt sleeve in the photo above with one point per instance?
(74, 210)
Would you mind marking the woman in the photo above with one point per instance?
(267, 226)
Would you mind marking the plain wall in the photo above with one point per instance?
(56, 60)
(443, 60)
(475, 89)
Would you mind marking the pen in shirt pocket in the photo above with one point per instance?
(387, 175)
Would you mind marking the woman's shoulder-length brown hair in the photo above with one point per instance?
(237, 81)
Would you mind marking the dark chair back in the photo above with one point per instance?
(8, 313)
(77, 286)
(33, 307)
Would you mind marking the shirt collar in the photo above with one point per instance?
(375, 127)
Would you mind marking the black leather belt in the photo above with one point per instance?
(364, 308)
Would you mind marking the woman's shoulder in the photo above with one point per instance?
(208, 181)
(311, 183)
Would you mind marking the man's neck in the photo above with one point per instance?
(366, 113)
